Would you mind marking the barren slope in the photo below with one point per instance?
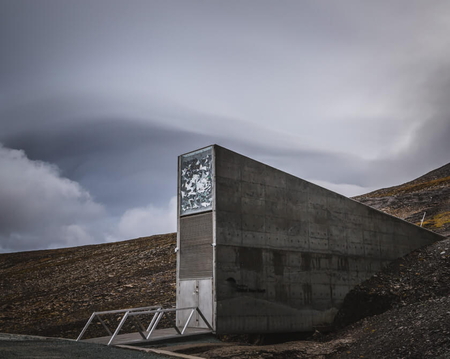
(53, 292)
(428, 194)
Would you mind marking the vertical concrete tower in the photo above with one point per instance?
(262, 251)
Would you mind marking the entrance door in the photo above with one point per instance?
(195, 293)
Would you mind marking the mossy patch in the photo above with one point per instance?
(437, 221)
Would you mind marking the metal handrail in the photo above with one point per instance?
(157, 311)
(97, 315)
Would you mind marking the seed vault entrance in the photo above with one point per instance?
(262, 251)
(195, 237)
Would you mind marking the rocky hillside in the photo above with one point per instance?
(402, 312)
(53, 292)
(428, 194)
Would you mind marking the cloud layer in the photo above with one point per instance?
(97, 100)
(39, 207)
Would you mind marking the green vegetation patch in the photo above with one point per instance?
(437, 221)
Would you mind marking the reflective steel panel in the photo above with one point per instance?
(196, 194)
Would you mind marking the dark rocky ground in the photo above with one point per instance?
(401, 312)
(406, 309)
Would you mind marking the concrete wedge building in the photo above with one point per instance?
(262, 251)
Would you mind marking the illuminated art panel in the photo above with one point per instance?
(196, 182)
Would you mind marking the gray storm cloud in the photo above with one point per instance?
(349, 94)
(39, 207)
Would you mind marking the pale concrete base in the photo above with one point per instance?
(157, 335)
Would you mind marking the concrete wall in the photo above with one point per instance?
(288, 251)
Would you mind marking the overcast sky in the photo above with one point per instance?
(99, 97)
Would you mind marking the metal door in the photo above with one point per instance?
(195, 293)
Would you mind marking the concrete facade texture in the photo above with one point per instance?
(287, 251)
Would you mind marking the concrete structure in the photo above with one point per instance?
(261, 251)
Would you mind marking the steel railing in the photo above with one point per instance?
(157, 313)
